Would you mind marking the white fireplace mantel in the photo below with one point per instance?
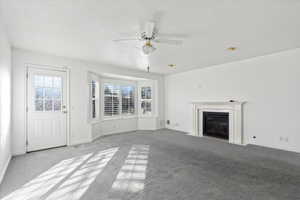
(235, 111)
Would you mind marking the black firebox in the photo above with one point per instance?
(216, 124)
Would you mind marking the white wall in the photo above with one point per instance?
(5, 101)
(108, 127)
(270, 85)
(80, 129)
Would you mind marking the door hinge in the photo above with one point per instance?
(27, 75)
(26, 142)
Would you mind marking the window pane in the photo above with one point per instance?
(125, 105)
(125, 91)
(93, 89)
(146, 107)
(131, 106)
(128, 100)
(93, 109)
(108, 89)
(56, 93)
(48, 93)
(115, 105)
(48, 105)
(57, 82)
(48, 81)
(108, 106)
(39, 105)
(146, 92)
(38, 81)
(57, 105)
(39, 93)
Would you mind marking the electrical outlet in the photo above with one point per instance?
(284, 139)
(176, 124)
(162, 122)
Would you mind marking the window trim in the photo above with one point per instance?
(96, 78)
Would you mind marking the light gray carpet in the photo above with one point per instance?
(162, 165)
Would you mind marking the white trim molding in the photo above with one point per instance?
(235, 111)
(2, 173)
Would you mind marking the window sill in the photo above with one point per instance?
(119, 117)
(147, 116)
(94, 121)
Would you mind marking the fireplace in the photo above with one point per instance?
(234, 110)
(216, 124)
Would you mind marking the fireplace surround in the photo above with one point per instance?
(234, 110)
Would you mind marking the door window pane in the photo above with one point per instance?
(48, 105)
(38, 81)
(56, 93)
(48, 93)
(39, 93)
(48, 81)
(39, 105)
(57, 105)
(57, 82)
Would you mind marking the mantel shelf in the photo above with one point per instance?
(217, 102)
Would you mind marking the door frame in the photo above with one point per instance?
(53, 68)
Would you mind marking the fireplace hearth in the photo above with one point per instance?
(216, 124)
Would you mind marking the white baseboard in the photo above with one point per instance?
(96, 137)
(2, 173)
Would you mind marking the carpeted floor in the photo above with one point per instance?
(159, 165)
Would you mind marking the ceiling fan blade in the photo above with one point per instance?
(149, 29)
(173, 35)
(168, 41)
(126, 40)
(157, 18)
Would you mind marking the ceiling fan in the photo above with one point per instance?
(149, 36)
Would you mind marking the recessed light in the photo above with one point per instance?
(231, 48)
(171, 65)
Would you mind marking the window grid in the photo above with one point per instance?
(118, 100)
(146, 100)
(48, 93)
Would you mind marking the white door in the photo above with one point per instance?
(46, 109)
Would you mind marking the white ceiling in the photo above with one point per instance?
(84, 29)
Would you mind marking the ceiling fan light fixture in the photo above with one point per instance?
(231, 48)
(148, 48)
